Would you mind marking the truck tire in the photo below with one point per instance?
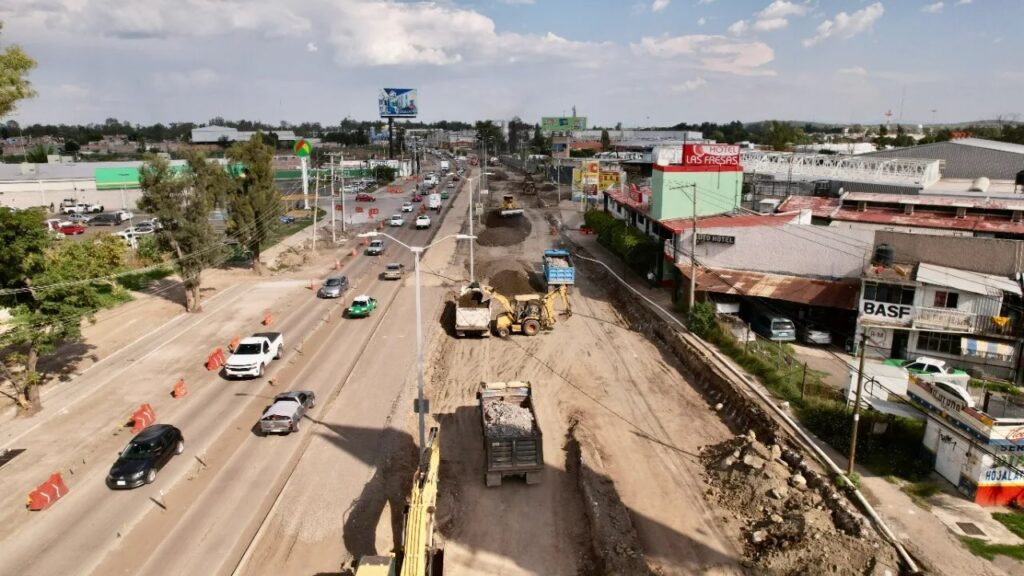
(460, 334)
(180, 448)
(531, 327)
(533, 478)
(150, 476)
(262, 370)
(277, 355)
(295, 427)
(492, 480)
(503, 332)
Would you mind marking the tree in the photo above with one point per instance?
(606, 141)
(539, 144)
(38, 154)
(489, 134)
(182, 202)
(254, 203)
(383, 174)
(55, 292)
(71, 147)
(15, 65)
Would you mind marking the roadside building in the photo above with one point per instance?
(966, 158)
(214, 134)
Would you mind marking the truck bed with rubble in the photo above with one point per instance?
(472, 312)
(558, 268)
(513, 443)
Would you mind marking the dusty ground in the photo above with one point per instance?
(624, 490)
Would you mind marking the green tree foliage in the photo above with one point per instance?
(539, 144)
(254, 202)
(383, 174)
(182, 202)
(701, 319)
(606, 141)
(55, 292)
(15, 65)
(71, 147)
(779, 135)
(38, 154)
(489, 134)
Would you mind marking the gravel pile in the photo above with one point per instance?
(558, 262)
(505, 419)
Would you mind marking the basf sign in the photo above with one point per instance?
(885, 312)
(397, 103)
(725, 155)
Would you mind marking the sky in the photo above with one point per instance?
(638, 62)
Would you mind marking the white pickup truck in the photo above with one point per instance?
(252, 355)
(81, 208)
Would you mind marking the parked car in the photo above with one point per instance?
(72, 229)
(422, 222)
(407, 207)
(104, 220)
(396, 220)
(144, 456)
(375, 248)
(333, 287)
(812, 334)
(393, 271)
(361, 306)
(451, 184)
(124, 215)
(146, 227)
(286, 219)
(79, 218)
(417, 198)
(363, 197)
(932, 370)
(284, 415)
(776, 328)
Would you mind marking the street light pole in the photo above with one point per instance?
(472, 260)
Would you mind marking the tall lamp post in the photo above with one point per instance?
(422, 407)
(472, 261)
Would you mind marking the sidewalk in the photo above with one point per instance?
(932, 537)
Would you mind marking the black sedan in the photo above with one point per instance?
(147, 453)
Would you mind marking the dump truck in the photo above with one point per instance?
(509, 207)
(558, 268)
(472, 312)
(419, 553)
(513, 443)
(528, 313)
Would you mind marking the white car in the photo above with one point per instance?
(396, 220)
(422, 221)
(407, 207)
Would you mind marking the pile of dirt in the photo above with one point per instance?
(793, 521)
(511, 282)
(472, 299)
(504, 231)
(504, 419)
(547, 187)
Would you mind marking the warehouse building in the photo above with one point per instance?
(215, 134)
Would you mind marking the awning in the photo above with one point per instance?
(801, 290)
(986, 348)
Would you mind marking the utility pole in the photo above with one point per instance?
(316, 205)
(334, 234)
(693, 247)
(856, 405)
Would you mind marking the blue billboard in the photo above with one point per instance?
(397, 103)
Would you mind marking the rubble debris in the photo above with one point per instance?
(504, 419)
(792, 519)
(472, 299)
(511, 282)
(501, 231)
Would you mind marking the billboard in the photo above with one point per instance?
(711, 155)
(562, 123)
(397, 103)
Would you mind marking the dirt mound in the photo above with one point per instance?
(792, 519)
(498, 175)
(511, 282)
(547, 187)
(504, 231)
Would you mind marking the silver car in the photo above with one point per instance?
(284, 415)
(812, 334)
(334, 287)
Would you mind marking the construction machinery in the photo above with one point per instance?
(528, 313)
(418, 554)
(513, 442)
(509, 207)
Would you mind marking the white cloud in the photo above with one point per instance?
(770, 24)
(659, 5)
(690, 85)
(518, 2)
(933, 8)
(705, 1)
(311, 47)
(175, 80)
(72, 91)
(963, 2)
(854, 71)
(781, 9)
(738, 28)
(714, 53)
(846, 25)
(702, 21)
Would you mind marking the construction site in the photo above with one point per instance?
(646, 469)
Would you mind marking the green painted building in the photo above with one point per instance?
(671, 188)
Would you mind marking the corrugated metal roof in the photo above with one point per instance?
(820, 207)
(965, 280)
(929, 219)
(816, 292)
(982, 203)
(991, 145)
(678, 225)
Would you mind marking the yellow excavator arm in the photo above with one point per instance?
(549, 302)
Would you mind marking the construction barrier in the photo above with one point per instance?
(234, 344)
(359, 209)
(142, 417)
(374, 212)
(353, 251)
(47, 493)
(380, 226)
(179, 389)
(337, 263)
(215, 360)
(268, 319)
(312, 285)
(366, 242)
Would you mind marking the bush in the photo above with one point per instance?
(598, 220)
(701, 320)
(148, 252)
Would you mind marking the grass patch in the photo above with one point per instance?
(995, 386)
(112, 295)
(989, 551)
(141, 280)
(1014, 521)
(919, 493)
(283, 231)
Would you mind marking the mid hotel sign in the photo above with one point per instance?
(711, 155)
(715, 239)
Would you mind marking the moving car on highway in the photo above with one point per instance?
(144, 456)
(363, 197)
(253, 354)
(361, 306)
(283, 416)
(422, 222)
(396, 220)
(333, 287)
(393, 271)
(407, 207)
(375, 248)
